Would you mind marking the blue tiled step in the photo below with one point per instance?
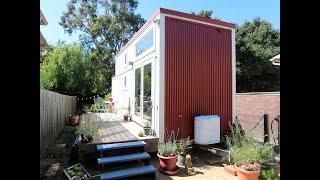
(123, 158)
(115, 146)
(124, 173)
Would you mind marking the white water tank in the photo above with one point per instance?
(207, 129)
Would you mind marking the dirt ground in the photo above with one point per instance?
(203, 170)
(57, 155)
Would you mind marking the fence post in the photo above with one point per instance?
(267, 128)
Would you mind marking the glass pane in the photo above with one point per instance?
(137, 91)
(145, 43)
(147, 103)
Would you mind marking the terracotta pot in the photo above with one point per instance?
(74, 120)
(246, 175)
(125, 117)
(167, 163)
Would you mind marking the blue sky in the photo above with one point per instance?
(236, 11)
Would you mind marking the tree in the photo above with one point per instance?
(67, 69)
(205, 13)
(105, 27)
(256, 42)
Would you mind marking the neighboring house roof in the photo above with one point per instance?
(43, 43)
(276, 60)
(43, 20)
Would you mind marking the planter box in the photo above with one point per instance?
(71, 167)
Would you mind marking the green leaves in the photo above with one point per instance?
(69, 68)
(105, 27)
(257, 42)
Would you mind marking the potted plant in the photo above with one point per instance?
(244, 152)
(183, 145)
(168, 153)
(147, 128)
(267, 161)
(74, 119)
(87, 132)
(250, 156)
(247, 171)
(77, 172)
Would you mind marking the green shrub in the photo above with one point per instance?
(244, 148)
(269, 174)
(108, 96)
(94, 108)
(89, 130)
(168, 149)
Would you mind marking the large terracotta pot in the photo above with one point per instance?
(167, 163)
(246, 175)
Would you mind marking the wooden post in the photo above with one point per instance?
(267, 128)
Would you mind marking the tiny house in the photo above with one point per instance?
(177, 66)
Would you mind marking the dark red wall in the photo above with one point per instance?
(198, 74)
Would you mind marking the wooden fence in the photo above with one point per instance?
(54, 110)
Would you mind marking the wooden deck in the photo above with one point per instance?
(112, 130)
(109, 131)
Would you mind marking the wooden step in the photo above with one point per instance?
(115, 146)
(129, 172)
(123, 158)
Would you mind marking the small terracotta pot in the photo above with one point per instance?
(246, 175)
(167, 163)
(74, 120)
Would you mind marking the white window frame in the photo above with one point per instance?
(151, 49)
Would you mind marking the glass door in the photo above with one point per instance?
(143, 94)
(137, 90)
(147, 100)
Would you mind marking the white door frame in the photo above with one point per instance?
(139, 119)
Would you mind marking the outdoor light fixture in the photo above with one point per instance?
(157, 21)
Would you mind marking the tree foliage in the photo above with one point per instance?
(205, 13)
(68, 69)
(257, 42)
(105, 27)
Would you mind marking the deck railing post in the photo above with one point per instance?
(267, 128)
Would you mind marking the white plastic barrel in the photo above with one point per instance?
(207, 129)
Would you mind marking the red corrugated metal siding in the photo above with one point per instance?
(198, 74)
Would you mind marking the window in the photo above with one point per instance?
(145, 43)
